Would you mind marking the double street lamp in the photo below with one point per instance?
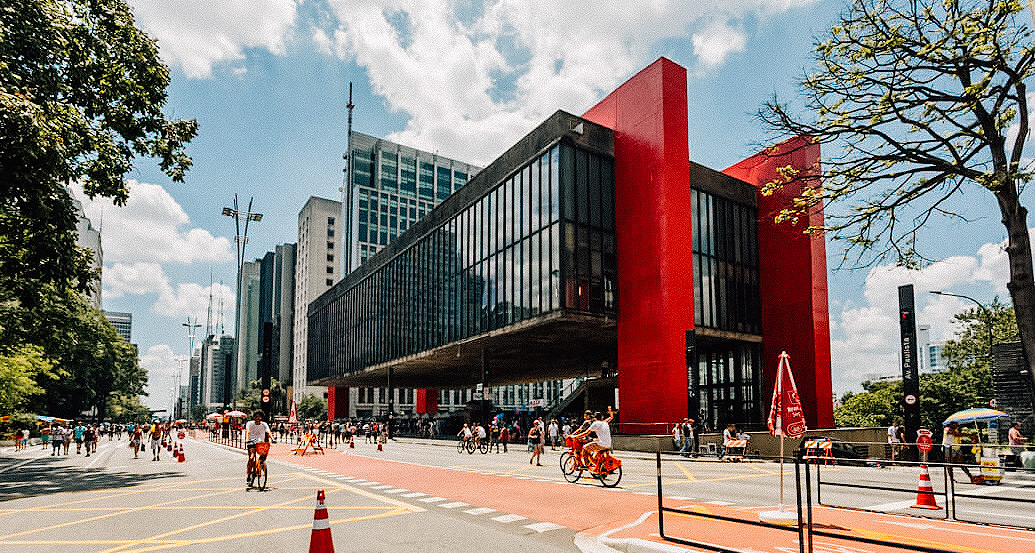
(241, 239)
(984, 310)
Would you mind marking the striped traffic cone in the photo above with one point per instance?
(320, 540)
(179, 454)
(924, 492)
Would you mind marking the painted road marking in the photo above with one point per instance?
(480, 511)
(679, 497)
(509, 518)
(718, 502)
(543, 526)
(432, 499)
(382, 487)
(413, 494)
(454, 505)
(396, 490)
(893, 506)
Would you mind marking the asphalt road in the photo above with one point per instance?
(413, 496)
(111, 503)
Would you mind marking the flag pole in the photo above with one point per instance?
(779, 420)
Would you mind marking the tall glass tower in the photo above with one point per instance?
(390, 187)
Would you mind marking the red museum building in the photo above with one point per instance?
(594, 245)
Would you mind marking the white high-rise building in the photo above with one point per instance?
(89, 237)
(317, 262)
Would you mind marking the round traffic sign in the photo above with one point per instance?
(923, 443)
(910, 399)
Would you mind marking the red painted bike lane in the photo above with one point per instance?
(597, 512)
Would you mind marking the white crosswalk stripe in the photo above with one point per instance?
(413, 494)
(508, 518)
(453, 505)
(480, 511)
(432, 499)
(543, 526)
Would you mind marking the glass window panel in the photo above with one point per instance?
(534, 276)
(534, 197)
(581, 187)
(594, 190)
(426, 184)
(444, 186)
(555, 266)
(459, 179)
(389, 171)
(555, 181)
(526, 281)
(408, 176)
(508, 212)
(526, 204)
(607, 190)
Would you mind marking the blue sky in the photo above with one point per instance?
(267, 81)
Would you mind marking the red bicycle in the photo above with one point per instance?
(603, 466)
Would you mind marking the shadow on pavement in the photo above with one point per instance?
(46, 476)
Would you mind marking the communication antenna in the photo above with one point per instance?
(208, 318)
(346, 188)
(220, 319)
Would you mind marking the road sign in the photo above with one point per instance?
(992, 403)
(536, 402)
(910, 399)
(477, 396)
(923, 443)
(266, 395)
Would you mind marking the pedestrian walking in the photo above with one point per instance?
(555, 434)
(894, 437)
(77, 433)
(535, 441)
(156, 439)
(45, 436)
(504, 438)
(686, 429)
(135, 440)
(57, 438)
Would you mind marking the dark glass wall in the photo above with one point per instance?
(729, 385)
(538, 241)
(725, 249)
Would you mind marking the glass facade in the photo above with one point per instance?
(539, 240)
(727, 377)
(392, 187)
(725, 249)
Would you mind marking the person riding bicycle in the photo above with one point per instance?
(465, 433)
(256, 431)
(602, 442)
(480, 434)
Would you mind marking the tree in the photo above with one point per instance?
(311, 407)
(251, 399)
(81, 95)
(19, 371)
(966, 382)
(923, 101)
(124, 409)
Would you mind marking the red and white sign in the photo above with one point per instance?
(786, 417)
(923, 443)
(536, 402)
(293, 414)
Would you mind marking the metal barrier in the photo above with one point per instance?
(805, 528)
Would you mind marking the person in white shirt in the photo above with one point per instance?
(256, 431)
(894, 437)
(600, 428)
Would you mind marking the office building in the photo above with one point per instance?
(391, 187)
(317, 262)
(123, 323)
(89, 237)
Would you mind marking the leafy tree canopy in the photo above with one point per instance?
(916, 103)
(81, 96)
(19, 371)
(311, 407)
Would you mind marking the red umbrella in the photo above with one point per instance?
(786, 417)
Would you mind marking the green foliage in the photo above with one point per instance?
(81, 95)
(913, 102)
(311, 407)
(124, 409)
(197, 413)
(19, 371)
(966, 383)
(19, 421)
(250, 400)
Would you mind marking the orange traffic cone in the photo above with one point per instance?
(179, 454)
(320, 540)
(379, 447)
(352, 444)
(924, 492)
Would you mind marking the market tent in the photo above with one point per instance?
(977, 414)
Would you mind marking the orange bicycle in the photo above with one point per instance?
(257, 466)
(604, 466)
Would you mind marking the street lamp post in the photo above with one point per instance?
(241, 239)
(986, 311)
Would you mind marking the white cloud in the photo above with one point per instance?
(162, 366)
(717, 41)
(475, 76)
(866, 338)
(152, 227)
(194, 35)
(186, 299)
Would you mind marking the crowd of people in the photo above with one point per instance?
(58, 437)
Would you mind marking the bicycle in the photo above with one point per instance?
(604, 466)
(465, 445)
(257, 472)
